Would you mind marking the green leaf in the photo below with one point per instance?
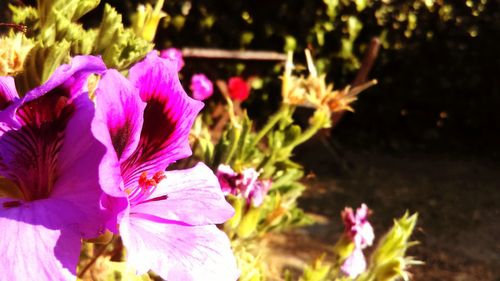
(111, 23)
(83, 7)
(120, 47)
(26, 15)
(388, 261)
(71, 9)
(318, 271)
(40, 64)
(248, 224)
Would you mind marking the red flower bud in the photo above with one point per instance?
(238, 89)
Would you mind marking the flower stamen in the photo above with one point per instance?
(146, 186)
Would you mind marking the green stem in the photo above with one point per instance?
(94, 259)
(306, 135)
(282, 112)
(234, 140)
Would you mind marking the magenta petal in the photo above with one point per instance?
(71, 76)
(355, 264)
(175, 56)
(78, 168)
(8, 91)
(52, 153)
(121, 107)
(193, 197)
(38, 242)
(168, 117)
(179, 252)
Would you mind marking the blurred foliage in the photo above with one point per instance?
(388, 261)
(437, 68)
(336, 30)
(57, 31)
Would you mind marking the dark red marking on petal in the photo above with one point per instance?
(4, 102)
(159, 198)
(120, 137)
(11, 204)
(36, 145)
(156, 134)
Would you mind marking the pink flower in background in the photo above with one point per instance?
(228, 180)
(246, 183)
(360, 231)
(167, 220)
(175, 55)
(355, 264)
(259, 191)
(201, 87)
(49, 159)
(357, 226)
(238, 89)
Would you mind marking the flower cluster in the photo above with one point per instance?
(313, 91)
(201, 87)
(73, 166)
(13, 51)
(246, 184)
(360, 232)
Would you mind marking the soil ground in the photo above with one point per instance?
(458, 201)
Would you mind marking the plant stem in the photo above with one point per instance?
(284, 109)
(94, 259)
(306, 135)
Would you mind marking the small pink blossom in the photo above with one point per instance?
(355, 264)
(357, 226)
(174, 55)
(246, 184)
(360, 231)
(259, 191)
(201, 87)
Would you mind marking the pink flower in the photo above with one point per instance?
(259, 191)
(238, 89)
(50, 187)
(355, 264)
(167, 220)
(201, 87)
(360, 231)
(174, 55)
(357, 226)
(246, 184)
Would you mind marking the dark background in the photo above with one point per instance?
(436, 93)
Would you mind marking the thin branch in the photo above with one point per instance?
(18, 27)
(362, 75)
(232, 54)
(368, 61)
(94, 259)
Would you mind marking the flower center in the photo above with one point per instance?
(145, 188)
(9, 189)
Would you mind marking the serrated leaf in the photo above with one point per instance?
(83, 7)
(110, 24)
(26, 15)
(120, 47)
(40, 64)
